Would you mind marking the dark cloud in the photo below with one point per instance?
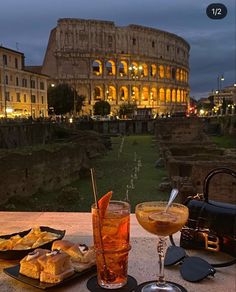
(26, 25)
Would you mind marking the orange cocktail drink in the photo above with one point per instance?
(111, 231)
(153, 217)
(157, 219)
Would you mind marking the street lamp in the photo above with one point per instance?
(107, 94)
(220, 79)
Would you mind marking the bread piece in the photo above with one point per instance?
(62, 245)
(50, 278)
(29, 265)
(55, 262)
(75, 252)
(87, 260)
(82, 253)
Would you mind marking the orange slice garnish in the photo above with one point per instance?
(103, 204)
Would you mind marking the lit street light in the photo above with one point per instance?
(220, 79)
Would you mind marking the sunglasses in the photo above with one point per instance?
(192, 269)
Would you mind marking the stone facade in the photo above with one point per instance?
(23, 92)
(119, 64)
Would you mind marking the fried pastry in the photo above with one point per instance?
(35, 238)
(56, 266)
(82, 256)
(30, 266)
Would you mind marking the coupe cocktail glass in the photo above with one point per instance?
(153, 217)
(111, 239)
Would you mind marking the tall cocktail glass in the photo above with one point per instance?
(111, 234)
(153, 217)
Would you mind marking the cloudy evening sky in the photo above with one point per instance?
(26, 25)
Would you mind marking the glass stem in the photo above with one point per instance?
(161, 250)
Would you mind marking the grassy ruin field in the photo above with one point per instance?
(114, 171)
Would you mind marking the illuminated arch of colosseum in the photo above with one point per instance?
(119, 64)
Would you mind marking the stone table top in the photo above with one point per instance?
(142, 259)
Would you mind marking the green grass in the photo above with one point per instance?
(225, 141)
(113, 172)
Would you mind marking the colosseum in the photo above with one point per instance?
(130, 64)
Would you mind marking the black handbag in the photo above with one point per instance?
(211, 225)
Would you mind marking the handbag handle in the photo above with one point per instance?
(210, 175)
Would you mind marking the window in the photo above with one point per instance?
(161, 71)
(6, 79)
(173, 73)
(32, 83)
(16, 63)
(24, 82)
(168, 95)
(18, 97)
(7, 96)
(42, 99)
(168, 72)
(97, 93)
(25, 98)
(153, 70)
(134, 41)
(153, 44)
(4, 59)
(17, 81)
(42, 86)
(162, 95)
(123, 68)
(97, 67)
(168, 48)
(177, 74)
(42, 114)
(33, 98)
(110, 67)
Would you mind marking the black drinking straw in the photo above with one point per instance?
(95, 192)
(106, 270)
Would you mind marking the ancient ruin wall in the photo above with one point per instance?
(189, 156)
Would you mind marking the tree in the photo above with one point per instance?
(64, 99)
(102, 108)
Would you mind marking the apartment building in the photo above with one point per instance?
(23, 90)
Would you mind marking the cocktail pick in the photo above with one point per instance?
(173, 195)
